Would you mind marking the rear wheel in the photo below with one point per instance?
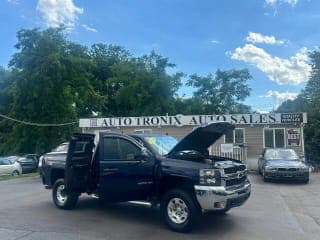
(61, 198)
(179, 210)
(15, 173)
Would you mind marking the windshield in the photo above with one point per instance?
(61, 148)
(161, 144)
(281, 154)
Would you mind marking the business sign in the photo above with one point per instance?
(291, 117)
(192, 120)
(293, 137)
(226, 148)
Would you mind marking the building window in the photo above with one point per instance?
(236, 136)
(274, 137)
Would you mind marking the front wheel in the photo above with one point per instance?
(61, 198)
(265, 179)
(179, 210)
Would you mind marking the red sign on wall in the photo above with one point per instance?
(294, 137)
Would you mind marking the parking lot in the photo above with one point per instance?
(274, 211)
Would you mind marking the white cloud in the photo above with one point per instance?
(214, 41)
(90, 29)
(274, 2)
(293, 70)
(13, 1)
(259, 38)
(280, 97)
(56, 12)
(262, 111)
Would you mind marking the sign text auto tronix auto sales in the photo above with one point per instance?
(193, 120)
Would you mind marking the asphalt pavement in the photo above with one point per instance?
(274, 211)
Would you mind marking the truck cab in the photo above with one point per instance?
(181, 176)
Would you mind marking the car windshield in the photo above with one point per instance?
(61, 148)
(281, 154)
(161, 144)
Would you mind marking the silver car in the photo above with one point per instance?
(282, 163)
(9, 167)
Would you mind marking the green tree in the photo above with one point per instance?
(52, 85)
(144, 86)
(309, 101)
(221, 93)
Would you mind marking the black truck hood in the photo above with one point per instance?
(202, 137)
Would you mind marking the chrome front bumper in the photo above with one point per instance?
(220, 197)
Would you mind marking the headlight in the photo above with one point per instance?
(304, 168)
(270, 168)
(209, 177)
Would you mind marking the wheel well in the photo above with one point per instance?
(175, 182)
(55, 175)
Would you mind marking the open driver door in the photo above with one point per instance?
(78, 163)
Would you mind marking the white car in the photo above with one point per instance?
(9, 167)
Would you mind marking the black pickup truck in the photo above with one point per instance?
(180, 176)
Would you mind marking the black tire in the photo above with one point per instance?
(15, 173)
(62, 199)
(187, 203)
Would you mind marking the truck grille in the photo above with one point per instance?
(235, 181)
(234, 169)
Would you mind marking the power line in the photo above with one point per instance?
(37, 124)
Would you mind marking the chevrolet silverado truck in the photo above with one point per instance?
(181, 176)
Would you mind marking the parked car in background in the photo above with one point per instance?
(27, 164)
(59, 153)
(282, 163)
(9, 167)
(35, 157)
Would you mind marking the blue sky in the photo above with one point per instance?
(269, 37)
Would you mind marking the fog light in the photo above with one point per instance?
(220, 205)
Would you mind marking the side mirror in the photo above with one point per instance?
(144, 152)
(140, 157)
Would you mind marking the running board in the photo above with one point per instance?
(141, 203)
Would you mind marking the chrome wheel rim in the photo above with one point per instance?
(15, 173)
(177, 210)
(61, 194)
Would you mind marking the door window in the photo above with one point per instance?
(111, 149)
(128, 150)
(118, 149)
(5, 162)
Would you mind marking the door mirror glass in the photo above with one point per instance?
(144, 152)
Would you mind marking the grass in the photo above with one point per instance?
(8, 177)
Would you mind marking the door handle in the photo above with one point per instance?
(110, 169)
